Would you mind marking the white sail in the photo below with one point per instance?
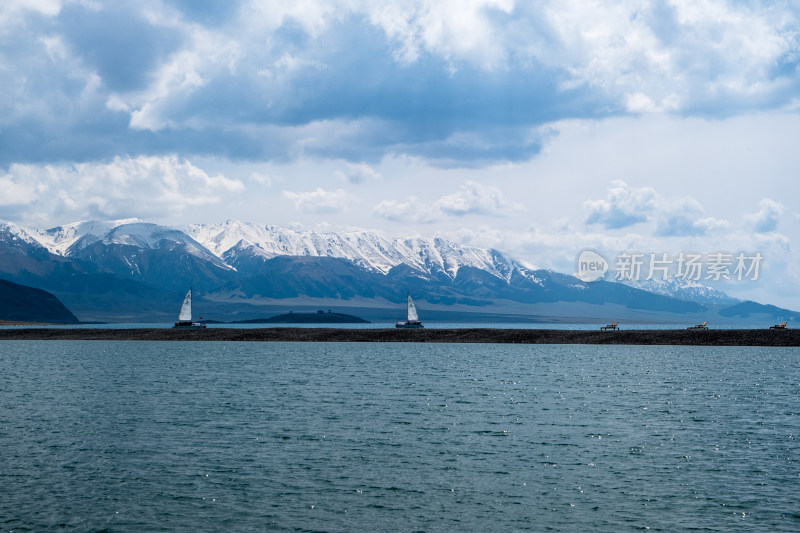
(412, 310)
(186, 308)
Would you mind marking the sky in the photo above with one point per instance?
(538, 128)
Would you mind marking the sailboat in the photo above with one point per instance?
(185, 316)
(412, 319)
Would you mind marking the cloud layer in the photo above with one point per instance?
(123, 188)
(454, 82)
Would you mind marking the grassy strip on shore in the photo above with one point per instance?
(719, 337)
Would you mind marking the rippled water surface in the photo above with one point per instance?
(182, 436)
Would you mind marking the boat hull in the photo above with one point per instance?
(189, 325)
(409, 325)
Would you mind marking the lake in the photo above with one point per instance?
(208, 436)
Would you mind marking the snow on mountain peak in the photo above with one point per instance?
(152, 236)
(71, 239)
(683, 289)
(369, 249)
(19, 232)
(61, 238)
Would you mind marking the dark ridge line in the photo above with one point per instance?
(720, 337)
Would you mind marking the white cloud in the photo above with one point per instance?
(15, 192)
(210, 55)
(641, 103)
(472, 198)
(767, 217)
(678, 217)
(673, 216)
(10, 10)
(452, 29)
(357, 173)
(141, 186)
(263, 179)
(623, 207)
(313, 16)
(319, 200)
(411, 210)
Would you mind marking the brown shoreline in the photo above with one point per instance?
(681, 337)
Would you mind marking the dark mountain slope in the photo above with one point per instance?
(26, 304)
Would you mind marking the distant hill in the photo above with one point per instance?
(19, 303)
(320, 317)
(748, 309)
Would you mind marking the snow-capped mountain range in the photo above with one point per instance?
(229, 240)
(132, 264)
(368, 249)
